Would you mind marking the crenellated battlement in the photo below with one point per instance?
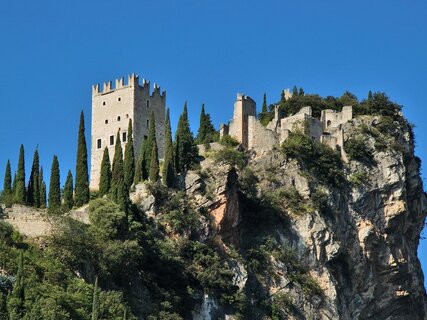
(132, 81)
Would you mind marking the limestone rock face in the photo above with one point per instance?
(361, 252)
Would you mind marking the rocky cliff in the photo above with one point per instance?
(338, 242)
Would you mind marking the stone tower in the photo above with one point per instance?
(243, 108)
(111, 111)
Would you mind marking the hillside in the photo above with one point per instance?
(295, 232)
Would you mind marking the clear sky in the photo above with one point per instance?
(51, 52)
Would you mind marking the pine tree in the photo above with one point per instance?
(68, 202)
(42, 185)
(129, 162)
(168, 172)
(20, 192)
(82, 175)
(294, 91)
(16, 301)
(186, 152)
(105, 177)
(206, 132)
(154, 165)
(33, 192)
(7, 186)
(95, 301)
(54, 187)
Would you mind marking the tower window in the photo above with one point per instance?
(98, 143)
(111, 140)
(148, 123)
(328, 123)
(127, 116)
(103, 103)
(119, 99)
(124, 136)
(106, 121)
(147, 103)
(118, 118)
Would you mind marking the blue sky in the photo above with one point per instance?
(51, 52)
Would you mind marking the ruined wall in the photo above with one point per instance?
(332, 119)
(302, 121)
(259, 137)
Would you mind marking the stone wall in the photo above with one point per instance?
(333, 119)
(259, 137)
(113, 108)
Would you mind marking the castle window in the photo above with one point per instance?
(127, 116)
(106, 121)
(148, 123)
(111, 140)
(98, 143)
(145, 137)
(118, 118)
(328, 124)
(103, 103)
(124, 136)
(119, 99)
(147, 103)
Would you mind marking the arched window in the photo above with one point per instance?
(328, 123)
(118, 118)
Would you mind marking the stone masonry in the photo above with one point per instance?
(248, 130)
(113, 108)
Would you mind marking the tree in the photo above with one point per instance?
(15, 181)
(129, 163)
(95, 301)
(20, 192)
(207, 132)
(154, 164)
(294, 91)
(42, 185)
(54, 187)
(82, 175)
(33, 192)
(301, 92)
(186, 152)
(264, 104)
(105, 178)
(117, 172)
(7, 186)
(15, 305)
(68, 202)
(168, 172)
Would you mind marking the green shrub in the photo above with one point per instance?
(320, 202)
(229, 141)
(358, 179)
(229, 156)
(320, 160)
(357, 149)
(248, 183)
(282, 304)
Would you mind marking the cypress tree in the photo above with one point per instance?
(264, 104)
(7, 186)
(42, 185)
(33, 193)
(15, 305)
(20, 192)
(54, 187)
(154, 164)
(168, 172)
(82, 175)
(14, 186)
(206, 132)
(282, 96)
(68, 202)
(151, 140)
(117, 172)
(129, 162)
(301, 91)
(294, 91)
(95, 301)
(186, 152)
(105, 178)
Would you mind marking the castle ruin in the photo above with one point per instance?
(248, 130)
(113, 108)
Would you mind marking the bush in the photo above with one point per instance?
(229, 141)
(357, 149)
(230, 156)
(358, 179)
(320, 160)
(248, 183)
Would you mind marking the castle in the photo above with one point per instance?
(248, 130)
(113, 108)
